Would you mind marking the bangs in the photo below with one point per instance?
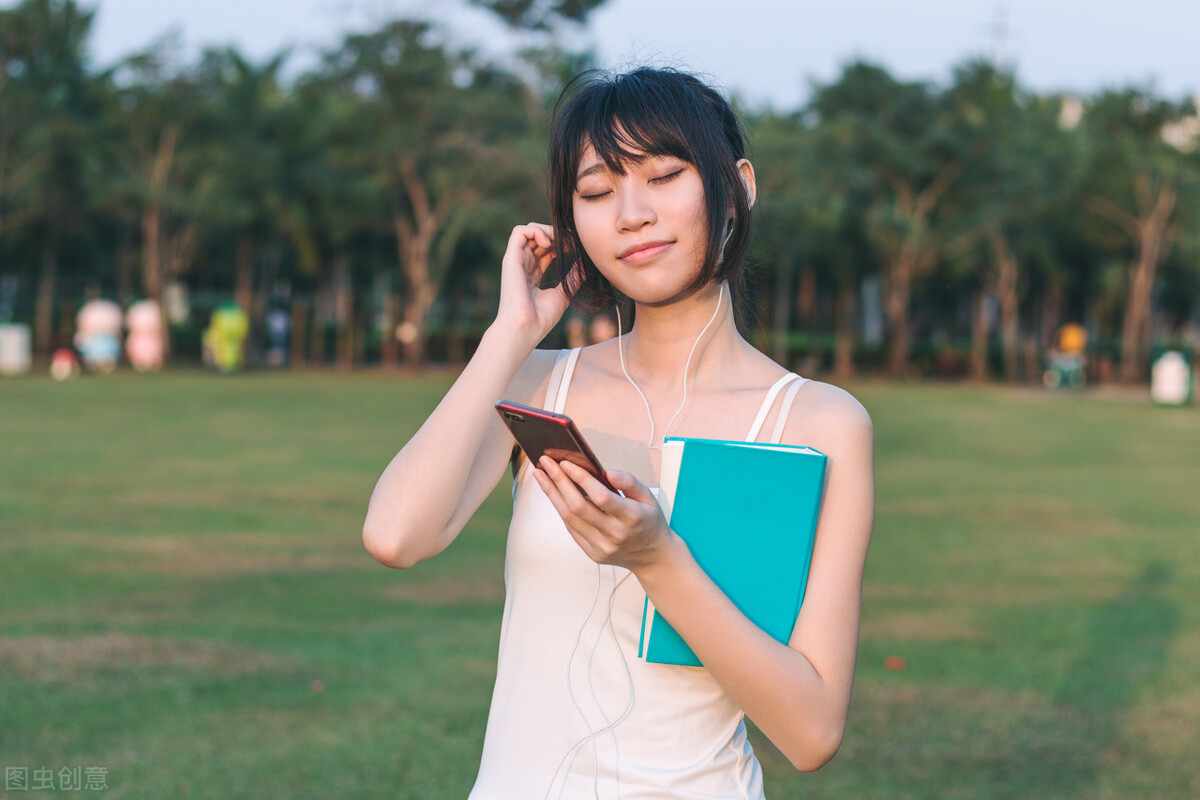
(626, 127)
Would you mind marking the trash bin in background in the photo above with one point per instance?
(1171, 379)
(16, 349)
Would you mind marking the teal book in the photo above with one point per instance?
(748, 512)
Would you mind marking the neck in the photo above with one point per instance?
(657, 348)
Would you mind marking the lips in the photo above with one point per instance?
(643, 251)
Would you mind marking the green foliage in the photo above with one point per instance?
(539, 15)
(380, 185)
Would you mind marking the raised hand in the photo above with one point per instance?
(522, 304)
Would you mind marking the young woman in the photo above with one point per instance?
(651, 198)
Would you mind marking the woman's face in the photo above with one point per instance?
(645, 230)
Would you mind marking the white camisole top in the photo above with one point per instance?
(575, 713)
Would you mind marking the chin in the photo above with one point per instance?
(655, 293)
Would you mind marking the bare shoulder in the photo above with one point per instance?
(529, 385)
(827, 416)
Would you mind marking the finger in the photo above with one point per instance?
(604, 498)
(580, 533)
(534, 237)
(552, 492)
(542, 234)
(579, 504)
(630, 486)
(518, 238)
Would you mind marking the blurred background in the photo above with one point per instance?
(981, 218)
(944, 186)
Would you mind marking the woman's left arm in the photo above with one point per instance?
(798, 694)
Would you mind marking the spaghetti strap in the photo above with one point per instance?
(766, 406)
(552, 386)
(785, 408)
(560, 396)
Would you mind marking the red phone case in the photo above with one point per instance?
(539, 432)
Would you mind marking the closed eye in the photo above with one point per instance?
(593, 196)
(668, 177)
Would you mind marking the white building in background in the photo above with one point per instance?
(1184, 135)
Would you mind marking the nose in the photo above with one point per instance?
(635, 211)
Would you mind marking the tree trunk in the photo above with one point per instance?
(297, 358)
(1052, 302)
(806, 301)
(897, 287)
(1137, 313)
(124, 261)
(779, 313)
(981, 326)
(415, 244)
(153, 280)
(414, 240)
(415, 310)
(317, 350)
(911, 254)
(243, 281)
(846, 307)
(243, 292)
(1152, 241)
(1010, 332)
(68, 308)
(152, 272)
(344, 311)
(389, 350)
(1007, 272)
(456, 347)
(43, 319)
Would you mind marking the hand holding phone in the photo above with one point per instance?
(541, 432)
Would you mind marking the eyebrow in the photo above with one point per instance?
(599, 166)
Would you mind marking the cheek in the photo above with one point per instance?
(588, 226)
(687, 205)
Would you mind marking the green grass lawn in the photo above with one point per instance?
(185, 601)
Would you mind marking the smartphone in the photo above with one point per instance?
(539, 432)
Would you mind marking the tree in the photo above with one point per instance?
(53, 101)
(331, 201)
(153, 183)
(1134, 180)
(242, 107)
(539, 15)
(812, 219)
(440, 127)
(998, 214)
(905, 135)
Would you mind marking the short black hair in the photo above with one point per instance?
(650, 112)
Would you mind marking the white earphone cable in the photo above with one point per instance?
(650, 444)
(574, 750)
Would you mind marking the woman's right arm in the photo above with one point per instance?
(449, 467)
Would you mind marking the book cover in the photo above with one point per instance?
(748, 512)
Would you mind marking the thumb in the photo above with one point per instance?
(630, 486)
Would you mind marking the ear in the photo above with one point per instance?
(746, 171)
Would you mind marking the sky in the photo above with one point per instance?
(768, 52)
